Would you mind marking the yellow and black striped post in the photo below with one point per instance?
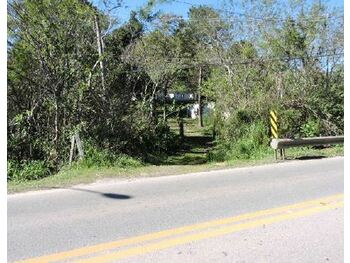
(274, 131)
(274, 124)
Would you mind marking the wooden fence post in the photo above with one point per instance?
(72, 147)
(75, 141)
(79, 146)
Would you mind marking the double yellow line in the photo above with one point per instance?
(182, 235)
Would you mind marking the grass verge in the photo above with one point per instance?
(79, 175)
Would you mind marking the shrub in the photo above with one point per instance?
(125, 161)
(311, 129)
(289, 121)
(252, 143)
(96, 157)
(12, 170)
(27, 170)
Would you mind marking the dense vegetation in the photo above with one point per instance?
(73, 70)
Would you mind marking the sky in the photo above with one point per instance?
(181, 7)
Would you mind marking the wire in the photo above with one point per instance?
(195, 63)
(234, 19)
(334, 54)
(255, 17)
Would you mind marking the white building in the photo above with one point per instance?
(194, 109)
(178, 96)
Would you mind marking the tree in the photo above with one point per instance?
(158, 56)
(209, 33)
(50, 55)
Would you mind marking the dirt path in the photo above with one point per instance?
(194, 148)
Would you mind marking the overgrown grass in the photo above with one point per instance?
(300, 153)
(94, 158)
(193, 156)
(82, 175)
(27, 170)
(78, 175)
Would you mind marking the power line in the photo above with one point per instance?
(195, 63)
(255, 17)
(234, 19)
(334, 54)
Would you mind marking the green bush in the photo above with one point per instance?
(289, 121)
(12, 170)
(125, 161)
(252, 143)
(27, 170)
(95, 157)
(311, 129)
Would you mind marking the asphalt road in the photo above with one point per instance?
(94, 217)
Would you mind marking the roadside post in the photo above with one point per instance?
(76, 143)
(274, 131)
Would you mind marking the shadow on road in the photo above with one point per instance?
(313, 157)
(108, 195)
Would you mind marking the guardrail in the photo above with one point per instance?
(282, 144)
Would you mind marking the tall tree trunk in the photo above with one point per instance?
(100, 50)
(164, 104)
(280, 90)
(54, 151)
(181, 128)
(200, 107)
(152, 104)
(327, 74)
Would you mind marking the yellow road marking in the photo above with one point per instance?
(170, 232)
(204, 235)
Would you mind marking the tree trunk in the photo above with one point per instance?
(100, 50)
(164, 105)
(280, 90)
(200, 108)
(181, 129)
(54, 151)
(152, 104)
